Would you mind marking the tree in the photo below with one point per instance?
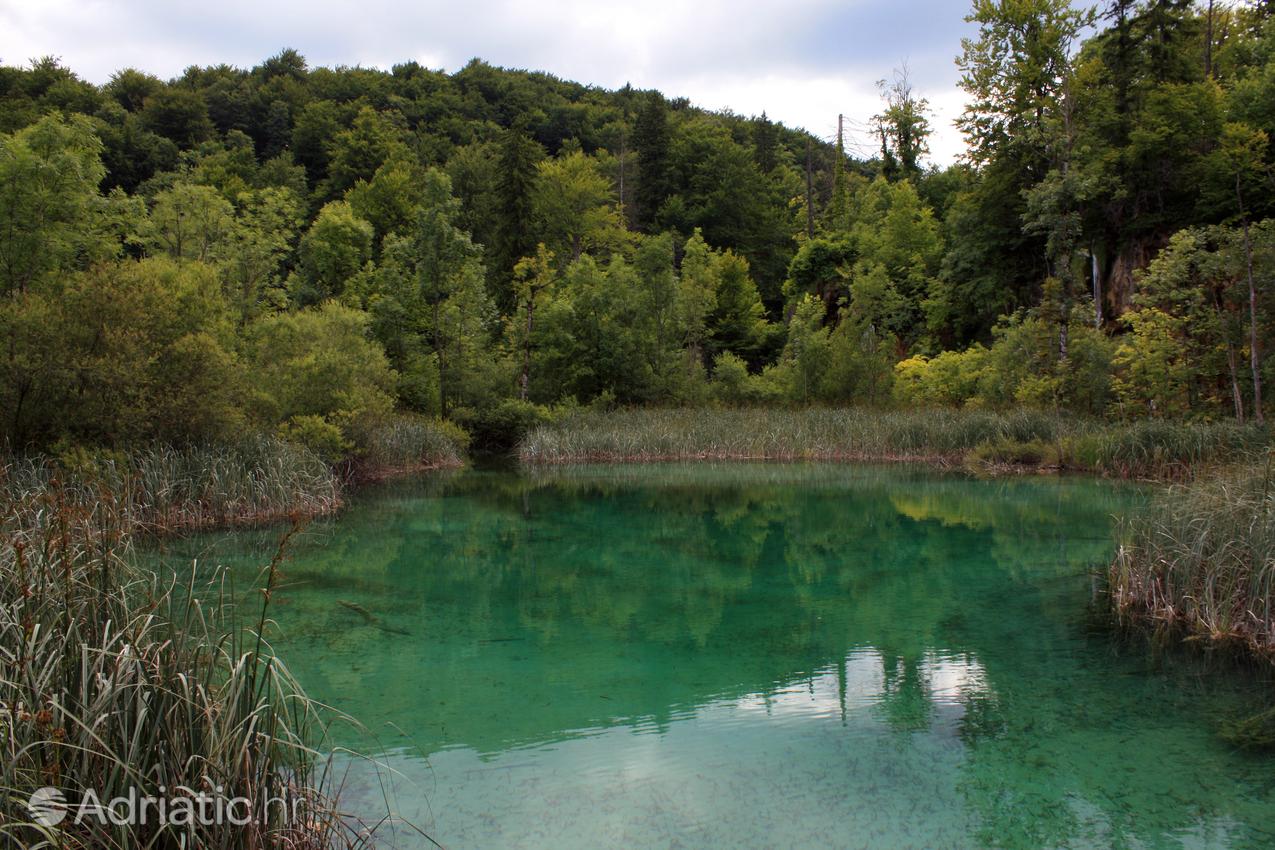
(49, 173)
(122, 353)
(191, 222)
(447, 271)
(372, 140)
(264, 234)
(1243, 154)
(1013, 73)
(179, 114)
(333, 251)
(806, 355)
(514, 232)
(573, 208)
(765, 144)
(387, 201)
(533, 278)
(904, 128)
(651, 140)
(737, 322)
(318, 362)
(697, 294)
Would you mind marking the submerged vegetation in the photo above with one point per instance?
(1022, 438)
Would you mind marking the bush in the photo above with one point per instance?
(502, 427)
(318, 435)
(1009, 452)
(319, 362)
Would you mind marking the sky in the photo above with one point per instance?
(803, 62)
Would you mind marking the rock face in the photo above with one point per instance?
(1120, 271)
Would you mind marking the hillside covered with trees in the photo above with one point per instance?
(307, 250)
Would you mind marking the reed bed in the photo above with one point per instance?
(115, 682)
(165, 489)
(404, 444)
(944, 437)
(1201, 561)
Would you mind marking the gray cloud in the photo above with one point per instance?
(802, 61)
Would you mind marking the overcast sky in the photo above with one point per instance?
(802, 61)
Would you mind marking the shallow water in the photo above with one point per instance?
(752, 656)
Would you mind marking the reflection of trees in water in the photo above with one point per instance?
(582, 598)
(739, 576)
(545, 604)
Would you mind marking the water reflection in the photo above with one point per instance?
(746, 656)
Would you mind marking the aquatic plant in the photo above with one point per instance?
(167, 488)
(942, 436)
(402, 443)
(117, 682)
(1201, 560)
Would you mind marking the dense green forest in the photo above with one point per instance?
(306, 250)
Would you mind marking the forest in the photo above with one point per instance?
(302, 251)
(228, 296)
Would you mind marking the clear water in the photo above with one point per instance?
(752, 656)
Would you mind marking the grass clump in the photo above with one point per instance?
(403, 443)
(941, 436)
(164, 489)
(114, 682)
(1163, 448)
(1006, 452)
(1201, 561)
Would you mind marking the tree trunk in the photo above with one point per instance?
(1208, 42)
(525, 379)
(1232, 364)
(1097, 289)
(442, 362)
(1255, 355)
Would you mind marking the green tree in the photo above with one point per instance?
(573, 208)
(514, 235)
(49, 173)
(263, 237)
(534, 278)
(317, 362)
(904, 128)
(651, 140)
(333, 251)
(190, 222)
(373, 139)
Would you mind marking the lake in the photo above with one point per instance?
(751, 655)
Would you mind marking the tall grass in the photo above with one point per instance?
(936, 436)
(1202, 560)
(113, 680)
(165, 488)
(404, 443)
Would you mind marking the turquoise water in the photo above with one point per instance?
(751, 656)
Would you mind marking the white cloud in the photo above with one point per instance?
(802, 61)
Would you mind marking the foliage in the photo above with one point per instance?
(297, 248)
(122, 680)
(1201, 561)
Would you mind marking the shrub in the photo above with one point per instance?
(501, 427)
(1010, 452)
(318, 435)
